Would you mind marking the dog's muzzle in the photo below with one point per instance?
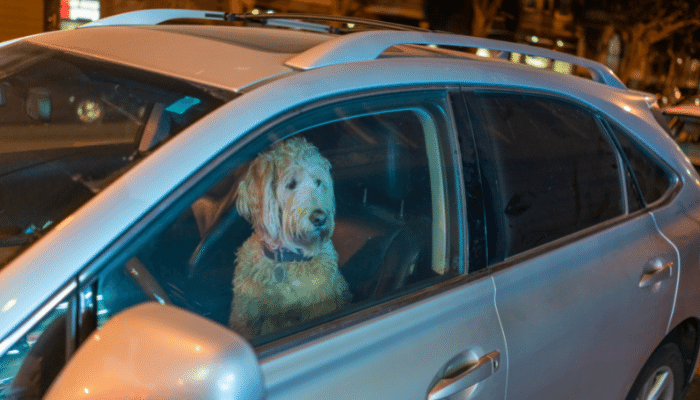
(318, 218)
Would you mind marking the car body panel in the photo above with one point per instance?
(583, 279)
(397, 354)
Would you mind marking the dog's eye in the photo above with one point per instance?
(292, 184)
(318, 182)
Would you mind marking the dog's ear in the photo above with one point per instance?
(250, 190)
(257, 199)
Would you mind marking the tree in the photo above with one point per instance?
(484, 13)
(642, 24)
(472, 17)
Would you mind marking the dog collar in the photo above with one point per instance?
(284, 255)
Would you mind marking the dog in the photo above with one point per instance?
(287, 270)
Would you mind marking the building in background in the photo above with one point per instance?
(74, 13)
(20, 18)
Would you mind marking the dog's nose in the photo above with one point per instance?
(318, 218)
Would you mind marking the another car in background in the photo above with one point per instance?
(684, 126)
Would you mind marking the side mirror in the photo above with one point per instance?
(158, 351)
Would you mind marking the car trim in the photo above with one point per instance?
(563, 241)
(676, 182)
(8, 341)
(284, 20)
(155, 17)
(354, 318)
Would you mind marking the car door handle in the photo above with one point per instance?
(464, 378)
(657, 273)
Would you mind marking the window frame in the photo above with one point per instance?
(197, 184)
(675, 181)
(496, 262)
(68, 292)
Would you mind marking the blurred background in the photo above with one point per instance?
(652, 45)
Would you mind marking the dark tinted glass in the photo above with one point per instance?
(653, 180)
(549, 168)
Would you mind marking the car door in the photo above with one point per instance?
(585, 283)
(421, 322)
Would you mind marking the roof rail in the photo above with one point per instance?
(156, 16)
(287, 20)
(369, 45)
(360, 46)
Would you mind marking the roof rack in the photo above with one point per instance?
(369, 45)
(287, 20)
(362, 45)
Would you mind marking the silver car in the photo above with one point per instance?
(454, 226)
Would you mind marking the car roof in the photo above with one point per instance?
(219, 56)
(236, 57)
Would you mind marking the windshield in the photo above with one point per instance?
(69, 125)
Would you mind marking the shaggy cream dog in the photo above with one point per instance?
(287, 270)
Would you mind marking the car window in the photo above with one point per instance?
(30, 365)
(549, 167)
(69, 125)
(326, 213)
(652, 179)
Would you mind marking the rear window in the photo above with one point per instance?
(69, 125)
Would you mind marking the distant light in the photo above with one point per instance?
(351, 25)
(697, 102)
(13, 352)
(433, 46)
(560, 43)
(537, 62)
(679, 60)
(255, 11)
(86, 390)
(270, 11)
(534, 39)
(563, 67)
(483, 53)
(627, 108)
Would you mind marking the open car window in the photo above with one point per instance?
(69, 125)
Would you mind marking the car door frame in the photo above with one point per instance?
(499, 267)
(186, 192)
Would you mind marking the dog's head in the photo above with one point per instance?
(287, 196)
